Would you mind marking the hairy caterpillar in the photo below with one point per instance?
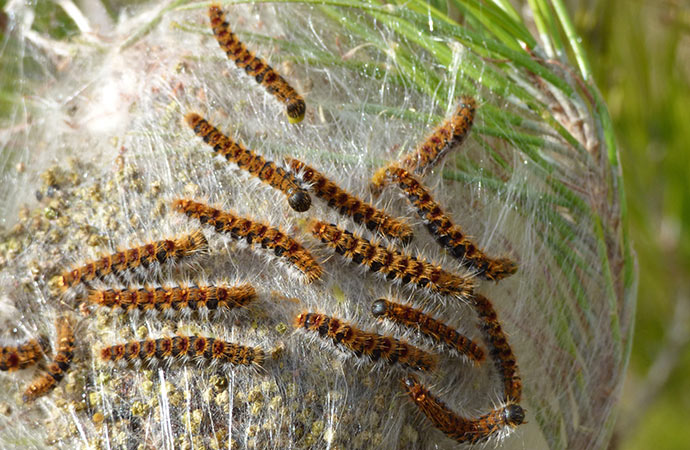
(459, 428)
(56, 370)
(255, 233)
(144, 255)
(440, 332)
(255, 164)
(500, 351)
(21, 356)
(441, 227)
(349, 205)
(170, 300)
(450, 132)
(198, 349)
(362, 343)
(255, 66)
(393, 264)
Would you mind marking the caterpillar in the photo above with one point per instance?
(16, 357)
(450, 132)
(441, 227)
(255, 66)
(144, 255)
(427, 325)
(176, 299)
(362, 343)
(459, 428)
(391, 263)
(500, 351)
(255, 164)
(347, 204)
(60, 364)
(197, 349)
(255, 233)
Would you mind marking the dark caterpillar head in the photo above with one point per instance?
(379, 307)
(295, 110)
(514, 415)
(300, 201)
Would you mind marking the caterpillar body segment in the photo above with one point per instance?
(348, 205)
(255, 66)
(255, 164)
(61, 363)
(450, 133)
(497, 423)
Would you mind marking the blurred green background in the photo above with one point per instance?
(640, 53)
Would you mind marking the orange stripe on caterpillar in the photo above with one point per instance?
(500, 351)
(21, 356)
(255, 164)
(414, 318)
(174, 299)
(144, 255)
(255, 66)
(362, 343)
(349, 205)
(182, 349)
(391, 263)
(451, 132)
(60, 364)
(255, 233)
(447, 234)
(459, 428)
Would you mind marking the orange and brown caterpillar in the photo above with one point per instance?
(254, 233)
(440, 332)
(169, 300)
(362, 343)
(60, 365)
(349, 205)
(21, 356)
(255, 164)
(441, 227)
(254, 66)
(459, 428)
(450, 132)
(499, 350)
(167, 250)
(391, 263)
(199, 349)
